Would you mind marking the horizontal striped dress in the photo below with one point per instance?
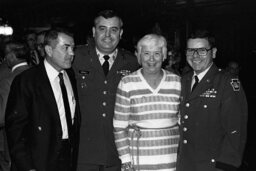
(145, 122)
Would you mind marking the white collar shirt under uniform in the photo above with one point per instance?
(54, 80)
(200, 76)
(111, 60)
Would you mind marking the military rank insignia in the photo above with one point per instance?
(235, 83)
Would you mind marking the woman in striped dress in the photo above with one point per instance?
(146, 111)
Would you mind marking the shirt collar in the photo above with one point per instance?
(51, 71)
(18, 65)
(202, 74)
(111, 55)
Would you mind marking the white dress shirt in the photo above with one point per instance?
(200, 76)
(54, 80)
(111, 60)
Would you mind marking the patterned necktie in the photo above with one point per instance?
(105, 65)
(66, 104)
(195, 83)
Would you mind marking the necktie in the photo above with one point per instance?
(34, 58)
(105, 65)
(195, 83)
(66, 104)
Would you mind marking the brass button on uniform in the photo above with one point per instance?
(104, 103)
(187, 104)
(186, 117)
(104, 114)
(185, 141)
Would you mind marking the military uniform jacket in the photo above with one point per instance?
(97, 99)
(213, 122)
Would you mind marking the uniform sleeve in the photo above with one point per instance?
(234, 122)
(121, 122)
(17, 121)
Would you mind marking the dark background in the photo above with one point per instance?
(232, 21)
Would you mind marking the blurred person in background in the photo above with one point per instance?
(16, 56)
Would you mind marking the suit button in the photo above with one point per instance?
(104, 115)
(104, 103)
(187, 104)
(105, 82)
(186, 117)
(185, 141)
(40, 128)
(104, 92)
(212, 160)
(185, 129)
(205, 106)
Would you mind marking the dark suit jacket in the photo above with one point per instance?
(5, 85)
(33, 124)
(4, 70)
(97, 98)
(213, 123)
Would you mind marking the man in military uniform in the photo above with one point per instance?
(213, 112)
(99, 67)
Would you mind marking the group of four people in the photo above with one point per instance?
(95, 109)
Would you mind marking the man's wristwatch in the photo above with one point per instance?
(127, 166)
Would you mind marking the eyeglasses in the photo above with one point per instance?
(200, 51)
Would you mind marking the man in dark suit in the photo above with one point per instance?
(16, 59)
(42, 116)
(99, 67)
(213, 111)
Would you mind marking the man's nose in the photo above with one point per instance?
(195, 54)
(107, 33)
(71, 51)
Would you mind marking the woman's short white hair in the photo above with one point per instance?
(152, 40)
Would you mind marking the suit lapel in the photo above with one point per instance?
(45, 90)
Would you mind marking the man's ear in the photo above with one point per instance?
(93, 31)
(48, 50)
(214, 51)
(121, 33)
